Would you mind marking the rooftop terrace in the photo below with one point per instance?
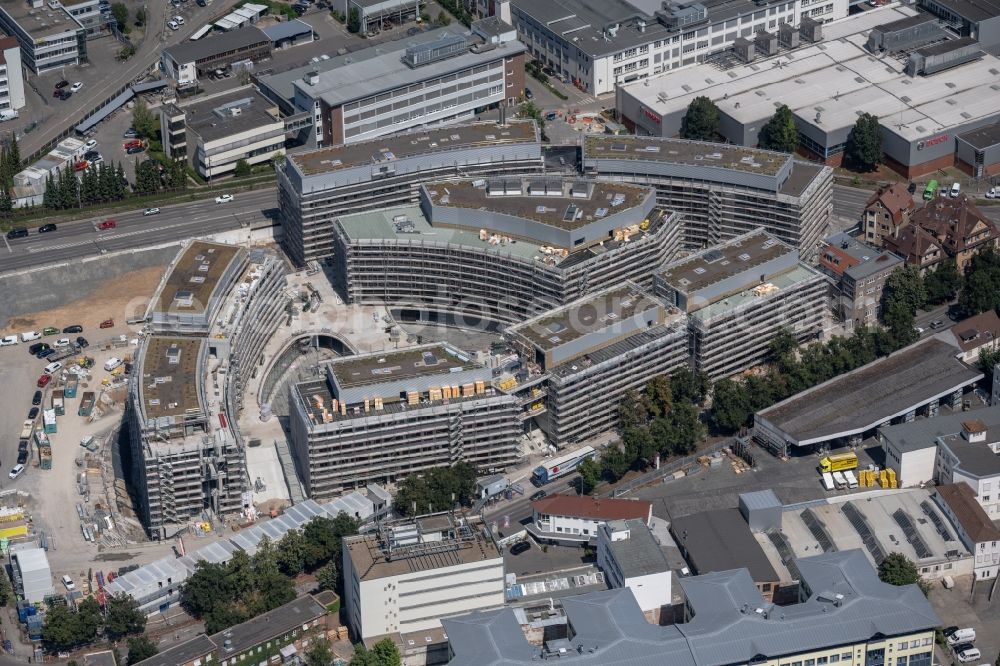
(194, 277)
(677, 151)
(170, 376)
(421, 142)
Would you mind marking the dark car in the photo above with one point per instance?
(911, 188)
(75, 328)
(61, 85)
(91, 154)
(962, 647)
(46, 228)
(32, 413)
(200, 3)
(22, 445)
(539, 495)
(82, 342)
(22, 457)
(950, 630)
(65, 95)
(414, 31)
(528, 94)
(57, 94)
(135, 149)
(37, 398)
(45, 353)
(19, 232)
(520, 547)
(37, 347)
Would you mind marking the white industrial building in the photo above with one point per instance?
(11, 76)
(629, 556)
(32, 573)
(576, 519)
(974, 527)
(409, 574)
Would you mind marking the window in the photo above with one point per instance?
(901, 661)
(834, 658)
(875, 657)
(820, 661)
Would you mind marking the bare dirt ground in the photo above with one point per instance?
(119, 298)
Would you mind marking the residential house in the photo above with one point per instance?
(970, 456)
(886, 212)
(958, 226)
(917, 247)
(976, 334)
(860, 272)
(975, 529)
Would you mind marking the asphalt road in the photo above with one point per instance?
(80, 238)
(518, 510)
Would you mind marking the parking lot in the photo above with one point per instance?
(961, 607)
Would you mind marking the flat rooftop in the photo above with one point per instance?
(639, 554)
(574, 204)
(973, 10)
(386, 149)
(592, 313)
(371, 369)
(271, 624)
(194, 277)
(41, 22)
(215, 44)
(214, 119)
(678, 151)
(186, 652)
(861, 399)
(721, 540)
(170, 376)
(721, 262)
(982, 137)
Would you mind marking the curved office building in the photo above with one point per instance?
(502, 250)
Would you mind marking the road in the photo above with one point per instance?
(79, 238)
(848, 202)
(518, 510)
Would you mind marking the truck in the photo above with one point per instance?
(839, 480)
(86, 403)
(59, 402)
(838, 462)
(828, 481)
(72, 382)
(852, 480)
(550, 470)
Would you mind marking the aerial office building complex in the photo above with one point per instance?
(502, 249)
(388, 414)
(722, 191)
(49, 34)
(316, 187)
(739, 295)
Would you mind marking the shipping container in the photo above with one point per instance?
(86, 403)
(59, 402)
(71, 385)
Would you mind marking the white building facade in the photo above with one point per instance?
(629, 556)
(975, 529)
(57, 41)
(11, 77)
(573, 518)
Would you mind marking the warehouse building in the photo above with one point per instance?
(49, 35)
(592, 352)
(722, 191)
(376, 15)
(603, 45)
(32, 574)
(979, 19)
(187, 61)
(826, 85)
(409, 574)
(318, 186)
(739, 296)
(846, 409)
(727, 622)
(978, 152)
(12, 90)
(384, 415)
(502, 249)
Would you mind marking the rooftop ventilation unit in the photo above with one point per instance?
(429, 52)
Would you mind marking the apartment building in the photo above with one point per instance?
(592, 352)
(316, 187)
(886, 212)
(739, 295)
(843, 614)
(980, 333)
(49, 35)
(213, 135)
(502, 249)
(630, 557)
(11, 76)
(597, 47)
(958, 226)
(88, 14)
(438, 77)
(384, 415)
(407, 575)
(974, 526)
(722, 191)
(859, 273)
(576, 519)
(970, 454)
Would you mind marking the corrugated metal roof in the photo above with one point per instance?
(287, 29)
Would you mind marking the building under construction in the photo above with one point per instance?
(408, 574)
(378, 417)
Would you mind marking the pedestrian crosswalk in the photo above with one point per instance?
(587, 99)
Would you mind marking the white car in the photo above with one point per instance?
(68, 582)
(112, 363)
(173, 25)
(76, 87)
(992, 194)
(968, 654)
(62, 342)
(151, 211)
(52, 368)
(224, 198)
(16, 472)
(90, 145)
(30, 335)
(179, 20)
(8, 340)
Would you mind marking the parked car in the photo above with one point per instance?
(8, 340)
(22, 458)
(108, 323)
(134, 150)
(130, 133)
(173, 25)
(18, 232)
(151, 211)
(223, 198)
(106, 224)
(45, 353)
(28, 336)
(937, 323)
(537, 496)
(43, 381)
(61, 85)
(46, 228)
(68, 582)
(90, 145)
(966, 635)
(37, 398)
(37, 347)
(911, 188)
(179, 20)
(75, 328)
(91, 154)
(61, 342)
(50, 330)
(17, 471)
(32, 413)
(76, 87)
(52, 368)
(970, 653)
(520, 547)
(65, 94)
(82, 342)
(528, 94)
(992, 193)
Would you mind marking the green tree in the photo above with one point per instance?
(689, 385)
(780, 133)
(177, 175)
(123, 617)
(902, 295)
(863, 151)
(437, 489)
(144, 121)
(354, 20)
(632, 410)
(126, 52)
(147, 178)
(120, 12)
(6, 203)
(14, 155)
(50, 196)
(731, 408)
(242, 168)
(140, 17)
(89, 620)
(988, 359)
(701, 121)
(943, 283)
(443, 18)
(319, 653)
(6, 590)
(897, 569)
(326, 576)
(387, 653)
(615, 462)
(140, 648)
(205, 588)
(590, 476)
(363, 656)
(60, 631)
(981, 291)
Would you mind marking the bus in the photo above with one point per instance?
(550, 470)
(931, 190)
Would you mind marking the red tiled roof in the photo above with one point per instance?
(579, 506)
(971, 515)
(895, 199)
(954, 222)
(912, 243)
(977, 331)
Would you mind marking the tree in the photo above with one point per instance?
(386, 653)
(123, 617)
(988, 359)
(144, 121)
(897, 569)
(147, 178)
(242, 168)
(701, 121)
(943, 283)
(120, 12)
(903, 293)
(326, 576)
(14, 154)
(140, 648)
(731, 409)
(88, 620)
(443, 18)
(864, 144)
(60, 631)
(780, 133)
(319, 653)
(140, 17)
(615, 462)
(6, 590)
(689, 385)
(126, 52)
(590, 476)
(205, 588)
(354, 20)
(438, 489)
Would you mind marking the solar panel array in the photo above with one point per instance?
(910, 531)
(780, 542)
(939, 525)
(818, 530)
(857, 519)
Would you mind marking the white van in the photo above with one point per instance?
(68, 582)
(8, 340)
(955, 190)
(52, 368)
(966, 635)
(30, 335)
(969, 654)
(112, 363)
(8, 114)
(173, 25)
